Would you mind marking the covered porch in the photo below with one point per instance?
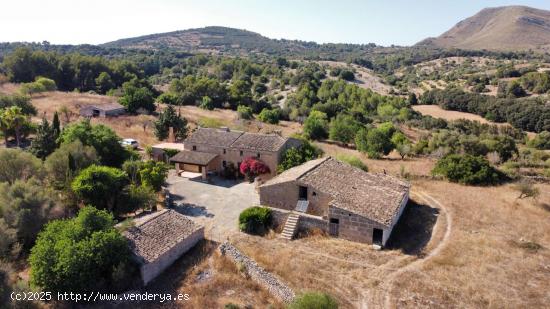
(195, 162)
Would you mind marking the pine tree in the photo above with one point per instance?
(44, 142)
(56, 125)
(168, 118)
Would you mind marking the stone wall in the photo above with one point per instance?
(354, 227)
(285, 196)
(275, 286)
(305, 223)
(150, 271)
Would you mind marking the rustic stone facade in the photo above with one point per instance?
(353, 204)
(158, 239)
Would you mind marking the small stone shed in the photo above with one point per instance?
(159, 239)
(354, 204)
(103, 110)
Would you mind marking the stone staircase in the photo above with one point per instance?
(290, 226)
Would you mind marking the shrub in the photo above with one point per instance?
(316, 125)
(353, 161)
(255, 220)
(252, 167)
(244, 112)
(467, 169)
(270, 116)
(314, 300)
(99, 185)
(297, 155)
(541, 141)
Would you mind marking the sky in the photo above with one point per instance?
(384, 22)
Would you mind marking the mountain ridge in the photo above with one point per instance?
(498, 28)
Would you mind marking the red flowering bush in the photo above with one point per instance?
(252, 167)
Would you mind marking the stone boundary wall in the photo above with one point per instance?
(258, 274)
(305, 223)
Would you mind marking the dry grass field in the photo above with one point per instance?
(437, 112)
(473, 247)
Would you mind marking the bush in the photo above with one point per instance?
(353, 161)
(316, 125)
(99, 186)
(541, 141)
(467, 169)
(270, 116)
(244, 112)
(252, 167)
(255, 220)
(314, 300)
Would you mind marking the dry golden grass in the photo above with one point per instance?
(9, 88)
(491, 258)
(437, 112)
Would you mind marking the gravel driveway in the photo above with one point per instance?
(216, 206)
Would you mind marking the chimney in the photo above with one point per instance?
(171, 136)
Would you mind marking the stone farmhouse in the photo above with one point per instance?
(159, 239)
(102, 110)
(210, 150)
(340, 199)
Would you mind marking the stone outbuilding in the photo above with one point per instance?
(159, 239)
(102, 110)
(352, 204)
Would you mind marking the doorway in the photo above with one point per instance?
(333, 227)
(302, 195)
(377, 235)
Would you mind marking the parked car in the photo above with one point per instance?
(129, 142)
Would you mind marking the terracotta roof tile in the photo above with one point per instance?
(193, 157)
(158, 233)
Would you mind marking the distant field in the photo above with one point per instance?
(437, 112)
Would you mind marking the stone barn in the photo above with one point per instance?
(102, 110)
(348, 202)
(159, 239)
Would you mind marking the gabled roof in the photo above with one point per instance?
(193, 157)
(214, 137)
(158, 233)
(260, 142)
(374, 196)
(237, 140)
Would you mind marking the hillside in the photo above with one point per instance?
(213, 39)
(500, 28)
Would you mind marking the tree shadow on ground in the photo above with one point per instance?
(193, 210)
(414, 229)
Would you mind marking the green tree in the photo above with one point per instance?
(136, 95)
(12, 118)
(401, 144)
(541, 141)
(316, 125)
(269, 116)
(25, 207)
(99, 186)
(375, 142)
(79, 255)
(467, 169)
(412, 100)
(244, 112)
(297, 155)
(168, 118)
(65, 163)
(44, 142)
(104, 82)
(343, 128)
(207, 103)
(102, 138)
(152, 174)
(56, 125)
(17, 164)
(353, 161)
(504, 145)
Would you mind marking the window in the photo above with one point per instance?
(194, 147)
(314, 193)
(224, 151)
(258, 155)
(241, 153)
(224, 163)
